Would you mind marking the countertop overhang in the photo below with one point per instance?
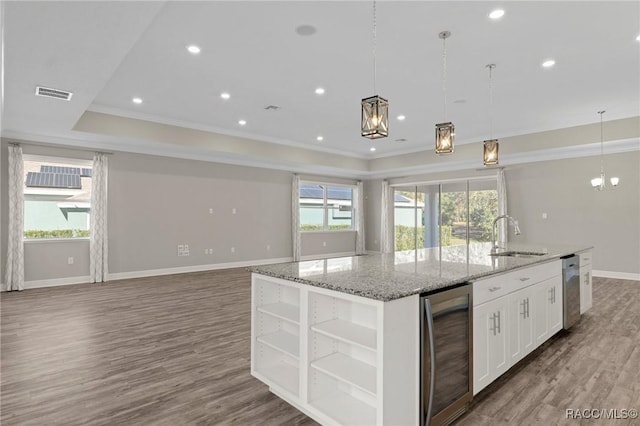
(387, 277)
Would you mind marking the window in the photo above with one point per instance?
(326, 207)
(57, 197)
(447, 214)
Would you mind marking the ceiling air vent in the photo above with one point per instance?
(53, 93)
(272, 107)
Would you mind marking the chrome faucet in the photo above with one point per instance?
(516, 230)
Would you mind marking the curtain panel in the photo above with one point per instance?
(14, 271)
(359, 218)
(386, 221)
(98, 254)
(502, 208)
(295, 216)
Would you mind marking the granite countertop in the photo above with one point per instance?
(392, 276)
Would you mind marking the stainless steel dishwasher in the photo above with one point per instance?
(445, 349)
(570, 290)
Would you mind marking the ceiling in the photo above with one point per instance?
(107, 53)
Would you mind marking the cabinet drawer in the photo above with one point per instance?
(491, 288)
(585, 258)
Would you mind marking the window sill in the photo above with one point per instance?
(55, 240)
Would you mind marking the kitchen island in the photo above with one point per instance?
(340, 338)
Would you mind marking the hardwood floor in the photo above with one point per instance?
(174, 350)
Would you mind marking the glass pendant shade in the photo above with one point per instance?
(445, 134)
(375, 117)
(490, 157)
(614, 181)
(598, 183)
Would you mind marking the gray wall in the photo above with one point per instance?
(576, 214)
(156, 203)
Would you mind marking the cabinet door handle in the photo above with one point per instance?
(492, 289)
(523, 279)
(524, 310)
(493, 326)
(551, 295)
(554, 295)
(498, 313)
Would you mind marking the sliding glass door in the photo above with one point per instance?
(444, 214)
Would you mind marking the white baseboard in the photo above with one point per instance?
(54, 282)
(195, 268)
(327, 255)
(616, 275)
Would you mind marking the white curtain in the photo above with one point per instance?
(98, 260)
(359, 219)
(295, 217)
(386, 225)
(14, 273)
(502, 208)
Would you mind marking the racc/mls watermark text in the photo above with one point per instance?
(601, 413)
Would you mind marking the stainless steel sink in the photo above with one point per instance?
(517, 253)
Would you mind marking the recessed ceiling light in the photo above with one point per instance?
(638, 38)
(242, 122)
(372, 149)
(225, 95)
(319, 91)
(136, 100)
(496, 14)
(401, 117)
(319, 138)
(548, 63)
(193, 49)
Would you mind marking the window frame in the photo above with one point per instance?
(76, 162)
(326, 207)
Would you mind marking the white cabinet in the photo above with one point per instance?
(275, 329)
(521, 334)
(586, 294)
(490, 350)
(547, 309)
(323, 352)
(513, 313)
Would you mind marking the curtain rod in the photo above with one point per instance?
(46, 145)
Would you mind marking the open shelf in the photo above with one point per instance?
(348, 370)
(348, 332)
(344, 409)
(282, 374)
(283, 342)
(283, 311)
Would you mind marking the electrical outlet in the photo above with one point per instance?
(324, 244)
(210, 211)
(233, 249)
(70, 260)
(206, 251)
(544, 215)
(233, 210)
(268, 247)
(186, 250)
(180, 250)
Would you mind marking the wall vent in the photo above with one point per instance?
(53, 93)
(272, 107)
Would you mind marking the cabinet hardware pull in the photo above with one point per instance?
(498, 313)
(432, 356)
(523, 279)
(524, 311)
(492, 289)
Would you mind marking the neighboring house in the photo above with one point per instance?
(57, 200)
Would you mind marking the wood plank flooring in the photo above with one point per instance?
(174, 350)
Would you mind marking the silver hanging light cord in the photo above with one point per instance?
(375, 92)
(444, 71)
(491, 67)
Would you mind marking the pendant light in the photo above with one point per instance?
(490, 150)
(445, 132)
(599, 183)
(375, 109)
